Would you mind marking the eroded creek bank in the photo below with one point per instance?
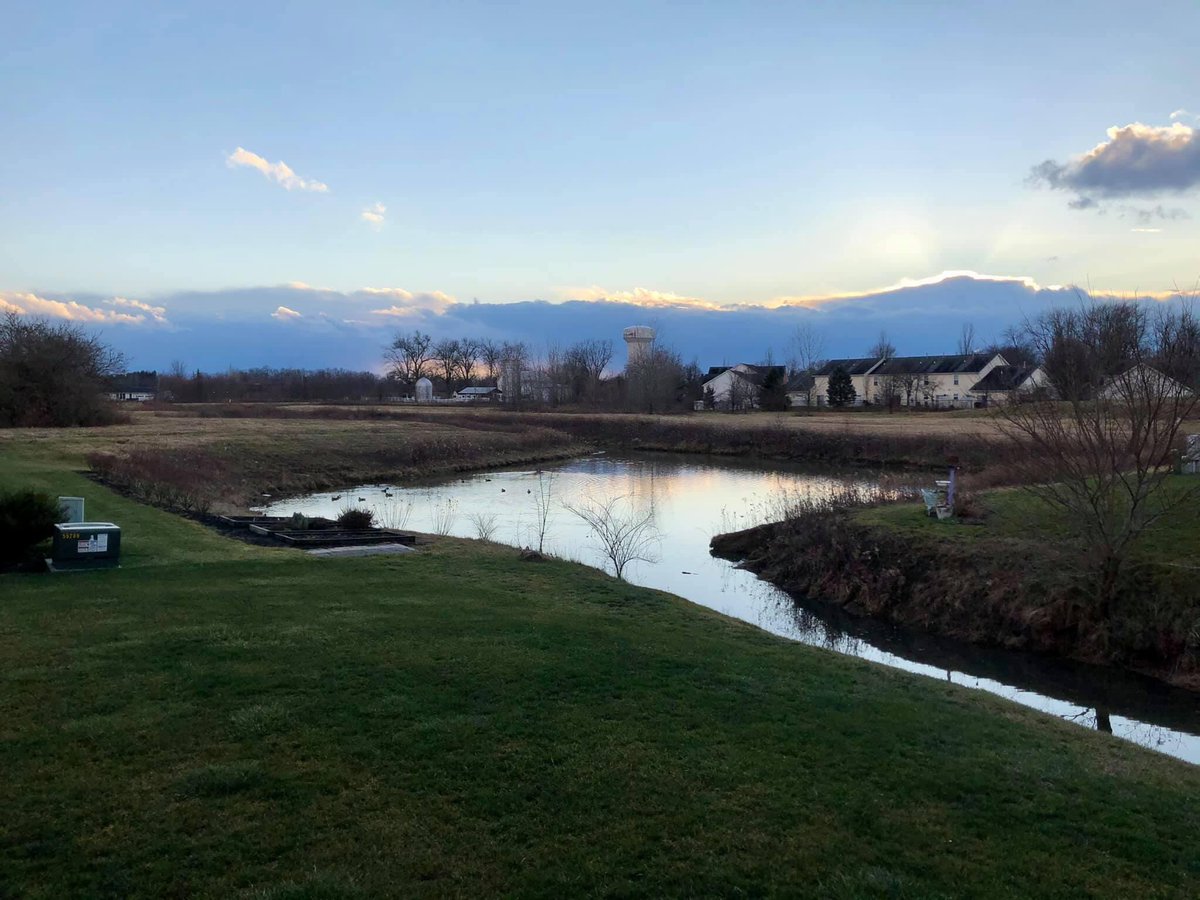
(1010, 594)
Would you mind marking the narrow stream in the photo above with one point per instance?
(691, 501)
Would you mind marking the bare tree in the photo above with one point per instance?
(410, 355)
(54, 375)
(543, 503)
(655, 380)
(484, 523)
(966, 339)
(1126, 377)
(625, 535)
(514, 360)
(490, 354)
(467, 359)
(882, 348)
(446, 352)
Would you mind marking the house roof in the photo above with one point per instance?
(480, 390)
(800, 382)
(934, 365)
(856, 366)
(756, 375)
(1003, 378)
(134, 382)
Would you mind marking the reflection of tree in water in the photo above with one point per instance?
(812, 629)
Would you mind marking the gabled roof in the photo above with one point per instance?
(480, 390)
(756, 375)
(800, 382)
(1003, 378)
(855, 366)
(935, 365)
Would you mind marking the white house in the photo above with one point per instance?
(1142, 381)
(939, 381)
(140, 387)
(737, 387)
(858, 369)
(492, 394)
(1005, 383)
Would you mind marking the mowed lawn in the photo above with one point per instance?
(219, 720)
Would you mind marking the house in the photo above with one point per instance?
(1142, 381)
(139, 387)
(490, 394)
(858, 369)
(937, 381)
(737, 387)
(1005, 383)
(801, 390)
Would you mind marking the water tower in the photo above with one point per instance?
(638, 339)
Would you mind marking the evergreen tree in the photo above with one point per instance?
(773, 393)
(841, 389)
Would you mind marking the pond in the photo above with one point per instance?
(690, 500)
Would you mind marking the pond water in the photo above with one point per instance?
(690, 500)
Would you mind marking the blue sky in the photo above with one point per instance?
(723, 153)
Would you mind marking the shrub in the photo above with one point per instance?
(26, 519)
(355, 518)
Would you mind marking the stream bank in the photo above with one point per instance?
(1016, 594)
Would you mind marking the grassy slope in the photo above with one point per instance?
(1016, 515)
(214, 718)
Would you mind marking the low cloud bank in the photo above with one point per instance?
(305, 326)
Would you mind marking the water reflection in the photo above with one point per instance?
(690, 501)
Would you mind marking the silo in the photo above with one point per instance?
(424, 390)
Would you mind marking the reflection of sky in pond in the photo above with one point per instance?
(691, 502)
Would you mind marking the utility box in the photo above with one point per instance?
(71, 509)
(85, 545)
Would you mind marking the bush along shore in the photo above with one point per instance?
(999, 591)
(233, 475)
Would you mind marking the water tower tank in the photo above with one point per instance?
(638, 338)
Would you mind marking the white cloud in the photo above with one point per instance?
(158, 313)
(33, 305)
(374, 215)
(639, 296)
(284, 314)
(1182, 113)
(281, 173)
(407, 303)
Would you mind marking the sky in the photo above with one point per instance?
(261, 174)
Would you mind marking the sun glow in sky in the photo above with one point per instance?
(727, 154)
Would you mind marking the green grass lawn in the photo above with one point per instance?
(215, 719)
(1016, 514)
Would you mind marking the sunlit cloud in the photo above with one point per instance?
(814, 300)
(374, 215)
(285, 314)
(643, 297)
(1137, 160)
(157, 313)
(408, 303)
(281, 173)
(70, 310)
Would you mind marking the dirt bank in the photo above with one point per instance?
(1016, 594)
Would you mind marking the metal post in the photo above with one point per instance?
(950, 488)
